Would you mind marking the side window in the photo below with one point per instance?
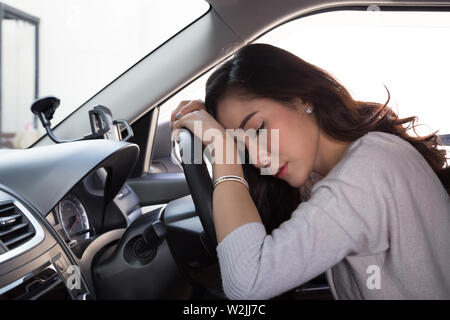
(366, 50)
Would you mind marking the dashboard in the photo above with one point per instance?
(83, 215)
(54, 202)
(72, 228)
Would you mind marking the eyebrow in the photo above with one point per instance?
(244, 122)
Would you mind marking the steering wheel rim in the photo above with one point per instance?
(199, 183)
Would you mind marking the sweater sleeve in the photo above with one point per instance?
(343, 217)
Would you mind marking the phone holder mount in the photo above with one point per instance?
(102, 124)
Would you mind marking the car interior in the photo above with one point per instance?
(98, 208)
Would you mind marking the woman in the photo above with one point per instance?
(378, 222)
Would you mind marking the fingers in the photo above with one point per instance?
(177, 124)
(176, 114)
(185, 107)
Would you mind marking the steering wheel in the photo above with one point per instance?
(200, 185)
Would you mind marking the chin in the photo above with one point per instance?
(293, 183)
(297, 181)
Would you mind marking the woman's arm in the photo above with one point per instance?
(346, 214)
(255, 265)
(232, 203)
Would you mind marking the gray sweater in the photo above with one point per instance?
(378, 224)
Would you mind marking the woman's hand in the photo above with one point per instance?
(193, 116)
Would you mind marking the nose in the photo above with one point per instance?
(263, 161)
(259, 154)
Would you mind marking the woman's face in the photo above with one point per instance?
(298, 133)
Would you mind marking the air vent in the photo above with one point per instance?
(15, 228)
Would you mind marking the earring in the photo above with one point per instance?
(309, 110)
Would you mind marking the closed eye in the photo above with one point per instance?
(259, 129)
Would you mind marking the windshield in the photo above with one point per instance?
(72, 49)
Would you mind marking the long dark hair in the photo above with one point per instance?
(265, 71)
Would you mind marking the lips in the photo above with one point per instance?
(282, 171)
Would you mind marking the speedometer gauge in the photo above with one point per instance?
(74, 219)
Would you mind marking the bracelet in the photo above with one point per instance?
(230, 178)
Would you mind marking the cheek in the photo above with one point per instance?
(295, 141)
(299, 147)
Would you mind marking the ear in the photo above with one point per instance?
(299, 102)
